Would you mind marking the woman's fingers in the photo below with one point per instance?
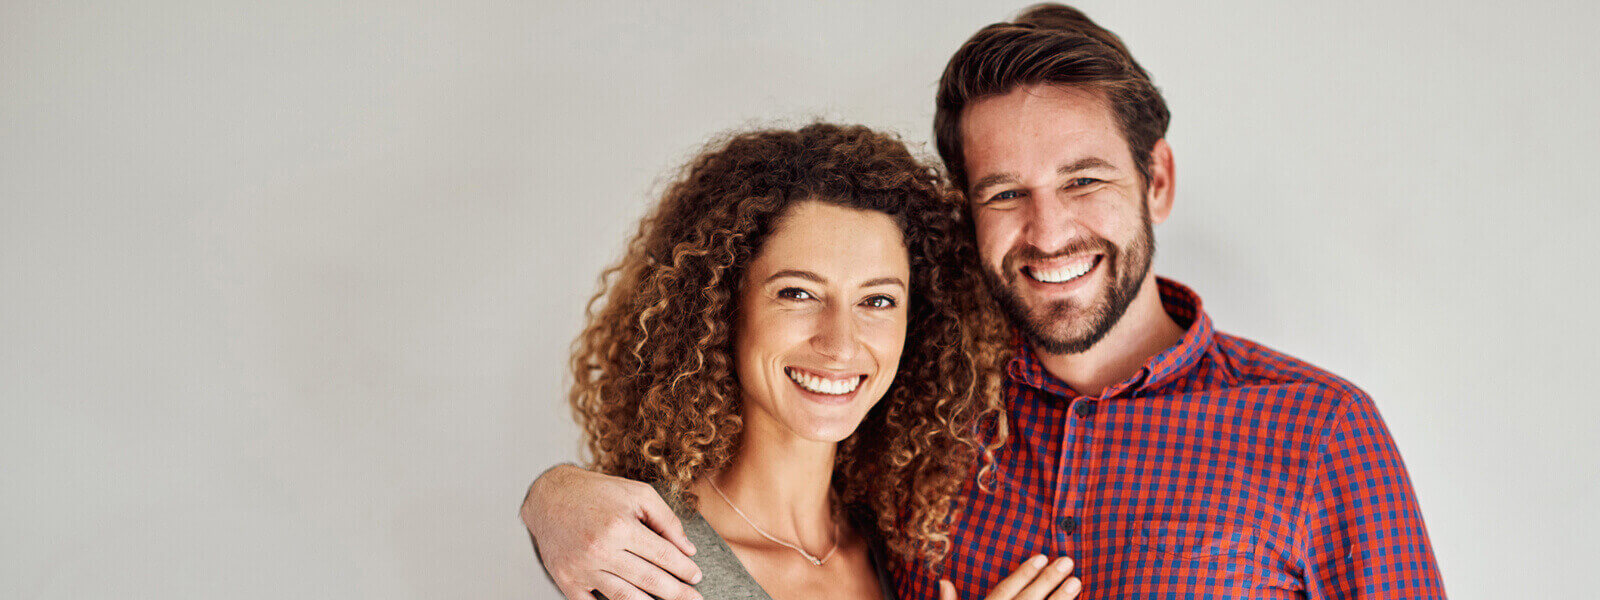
(1035, 579)
(1068, 590)
(947, 590)
(1046, 580)
(1014, 583)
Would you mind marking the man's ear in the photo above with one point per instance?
(1158, 194)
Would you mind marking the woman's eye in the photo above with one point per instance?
(879, 302)
(794, 294)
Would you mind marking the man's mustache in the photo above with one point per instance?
(1029, 252)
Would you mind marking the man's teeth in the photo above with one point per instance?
(1067, 273)
(833, 387)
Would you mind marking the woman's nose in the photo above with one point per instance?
(836, 336)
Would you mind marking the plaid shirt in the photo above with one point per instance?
(1222, 469)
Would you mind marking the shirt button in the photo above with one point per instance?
(1068, 525)
(1085, 409)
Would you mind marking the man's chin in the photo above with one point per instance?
(1064, 326)
(1053, 325)
(1055, 337)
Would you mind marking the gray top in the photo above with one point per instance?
(722, 575)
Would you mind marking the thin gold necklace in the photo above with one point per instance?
(814, 560)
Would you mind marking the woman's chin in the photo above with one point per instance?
(826, 431)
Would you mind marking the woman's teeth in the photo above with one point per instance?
(1061, 274)
(832, 387)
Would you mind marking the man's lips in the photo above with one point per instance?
(1062, 269)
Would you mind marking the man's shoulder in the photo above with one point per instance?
(1254, 364)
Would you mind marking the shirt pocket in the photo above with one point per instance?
(1177, 557)
(1195, 540)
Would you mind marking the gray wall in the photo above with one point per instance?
(286, 289)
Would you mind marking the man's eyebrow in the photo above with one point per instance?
(1084, 164)
(992, 179)
(806, 275)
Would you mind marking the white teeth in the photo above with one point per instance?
(1067, 273)
(832, 387)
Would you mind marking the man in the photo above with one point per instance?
(1169, 459)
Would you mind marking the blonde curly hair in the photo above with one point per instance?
(655, 388)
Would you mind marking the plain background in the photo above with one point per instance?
(286, 289)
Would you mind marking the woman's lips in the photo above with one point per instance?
(825, 384)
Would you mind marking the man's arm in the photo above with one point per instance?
(1364, 536)
(595, 532)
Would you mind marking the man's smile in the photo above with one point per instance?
(1063, 269)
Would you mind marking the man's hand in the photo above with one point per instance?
(1031, 581)
(616, 536)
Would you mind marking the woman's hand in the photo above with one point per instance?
(1031, 581)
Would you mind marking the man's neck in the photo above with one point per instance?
(1144, 331)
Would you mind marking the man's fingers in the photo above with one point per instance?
(947, 590)
(644, 575)
(1068, 590)
(1047, 580)
(660, 518)
(574, 593)
(614, 588)
(651, 547)
(1013, 584)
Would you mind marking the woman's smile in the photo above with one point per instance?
(837, 388)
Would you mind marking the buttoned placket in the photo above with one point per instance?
(1072, 476)
(1080, 462)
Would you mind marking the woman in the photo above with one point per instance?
(786, 353)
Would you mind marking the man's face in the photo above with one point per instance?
(1062, 216)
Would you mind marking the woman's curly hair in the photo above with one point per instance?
(655, 388)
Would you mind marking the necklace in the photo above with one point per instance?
(814, 560)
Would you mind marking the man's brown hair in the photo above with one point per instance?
(1049, 44)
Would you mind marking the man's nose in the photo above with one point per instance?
(1051, 221)
(836, 335)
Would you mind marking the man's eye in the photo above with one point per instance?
(1082, 181)
(879, 301)
(1006, 195)
(794, 294)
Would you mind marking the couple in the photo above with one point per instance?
(796, 355)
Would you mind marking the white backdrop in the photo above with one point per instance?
(286, 290)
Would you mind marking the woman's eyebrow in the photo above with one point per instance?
(884, 281)
(807, 275)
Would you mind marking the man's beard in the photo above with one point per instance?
(1061, 327)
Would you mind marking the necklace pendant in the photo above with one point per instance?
(815, 562)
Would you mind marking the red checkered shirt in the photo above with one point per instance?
(1222, 469)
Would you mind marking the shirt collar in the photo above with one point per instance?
(1181, 303)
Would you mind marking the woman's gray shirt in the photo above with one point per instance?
(723, 577)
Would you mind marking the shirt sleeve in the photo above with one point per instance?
(1364, 536)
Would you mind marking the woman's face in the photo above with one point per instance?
(822, 321)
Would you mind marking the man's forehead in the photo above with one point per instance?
(1063, 104)
(1037, 111)
(1039, 128)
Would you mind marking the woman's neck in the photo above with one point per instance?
(781, 483)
